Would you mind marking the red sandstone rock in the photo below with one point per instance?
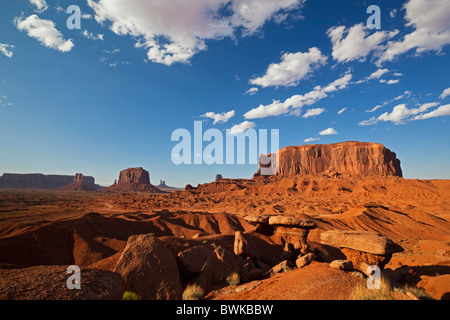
(356, 159)
(134, 180)
(78, 184)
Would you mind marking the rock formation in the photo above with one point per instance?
(149, 269)
(354, 159)
(218, 177)
(40, 181)
(78, 184)
(290, 232)
(362, 248)
(134, 180)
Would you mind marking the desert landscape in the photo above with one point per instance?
(306, 233)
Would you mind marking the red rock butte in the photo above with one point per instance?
(134, 180)
(347, 159)
(78, 184)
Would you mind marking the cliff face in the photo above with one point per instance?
(133, 180)
(39, 181)
(355, 159)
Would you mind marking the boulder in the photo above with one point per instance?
(345, 265)
(149, 269)
(193, 259)
(217, 268)
(366, 241)
(305, 260)
(361, 260)
(351, 158)
(290, 221)
(218, 178)
(283, 266)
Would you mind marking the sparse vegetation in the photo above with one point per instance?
(361, 292)
(419, 293)
(193, 292)
(233, 279)
(130, 295)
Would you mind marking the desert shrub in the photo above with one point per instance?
(361, 292)
(419, 293)
(130, 295)
(233, 279)
(193, 292)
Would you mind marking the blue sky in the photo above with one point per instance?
(108, 96)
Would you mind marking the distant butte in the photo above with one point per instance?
(78, 184)
(134, 180)
(347, 159)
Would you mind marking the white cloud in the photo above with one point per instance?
(328, 132)
(377, 74)
(356, 43)
(219, 117)
(393, 81)
(313, 112)
(399, 114)
(311, 139)
(445, 93)
(45, 32)
(6, 49)
(398, 74)
(342, 111)
(92, 36)
(393, 13)
(431, 22)
(251, 91)
(175, 30)
(296, 102)
(40, 5)
(292, 68)
(439, 112)
(239, 128)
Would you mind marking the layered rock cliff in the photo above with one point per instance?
(39, 181)
(134, 180)
(348, 159)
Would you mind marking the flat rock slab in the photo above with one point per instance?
(366, 241)
(292, 222)
(257, 219)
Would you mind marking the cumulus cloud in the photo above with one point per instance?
(356, 43)
(431, 22)
(40, 5)
(445, 93)
(219, 117)
(45, 32)
(377, 74)
(239, 128)
(5, 49)
(313, 112)
(251, 91)
(175, 30)
(90, 35)
(401, 113)
(296, 102)
(439, 112)
(393, 81)
(311, 139)
(328, 132)
(292, 68)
